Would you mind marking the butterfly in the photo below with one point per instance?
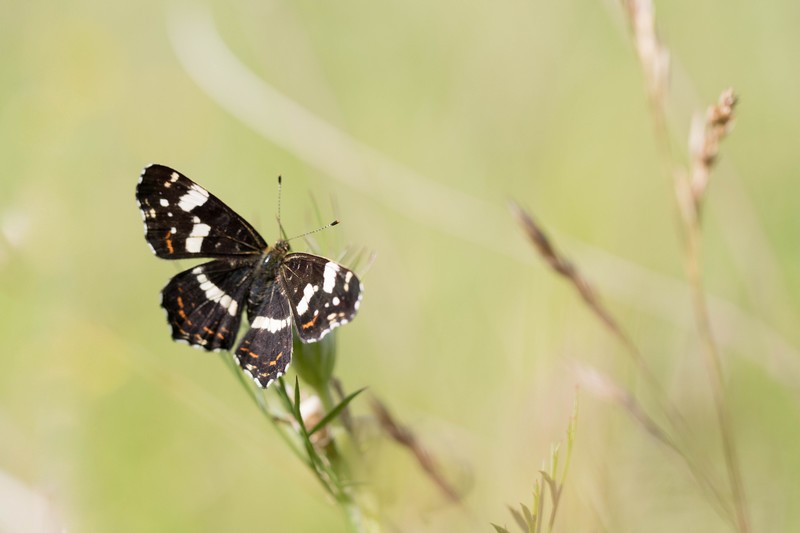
(276, 287)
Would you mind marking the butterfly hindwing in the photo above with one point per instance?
(266, 349)
(183, 220)
(322, 293)
(204, 303)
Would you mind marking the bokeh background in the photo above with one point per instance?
(413, 123)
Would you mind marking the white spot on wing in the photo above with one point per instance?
(195, 239)
(229, 303)
(164, 202)
(193, 244)
(214, 293)
(308, 292)
(329, 276)
(200, 230)
(194, 197)
(270, 324)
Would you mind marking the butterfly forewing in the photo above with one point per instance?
(323, 294)
(266, 348)
(183, 220)
(204, 304)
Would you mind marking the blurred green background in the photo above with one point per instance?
(413, 123)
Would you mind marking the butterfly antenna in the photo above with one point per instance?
(326, 226)
(280, 225)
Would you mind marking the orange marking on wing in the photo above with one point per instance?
(309, 323)
(169, 242)
(208, 330)
(248, 352)
(181, 312)
(277, 357)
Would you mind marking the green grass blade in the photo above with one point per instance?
(333, 413)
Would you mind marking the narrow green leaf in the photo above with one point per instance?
(499, 529)
(554, 449)
(296, 408)
(527, 513)
(335, 412)
(550, 482)
(537, 493)
(518, 518)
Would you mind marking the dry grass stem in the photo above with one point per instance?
(653, 56)
(406, 438)
(690, 190)
(563, 266)
(654, 60)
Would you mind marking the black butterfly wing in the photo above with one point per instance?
(183, 220)
(266, 349)
(323, 294)
(204, 304)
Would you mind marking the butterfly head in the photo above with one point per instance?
(273, 255)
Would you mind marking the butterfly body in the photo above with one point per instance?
(265, 275)
(274, 286)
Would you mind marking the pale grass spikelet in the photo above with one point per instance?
(704, 138)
